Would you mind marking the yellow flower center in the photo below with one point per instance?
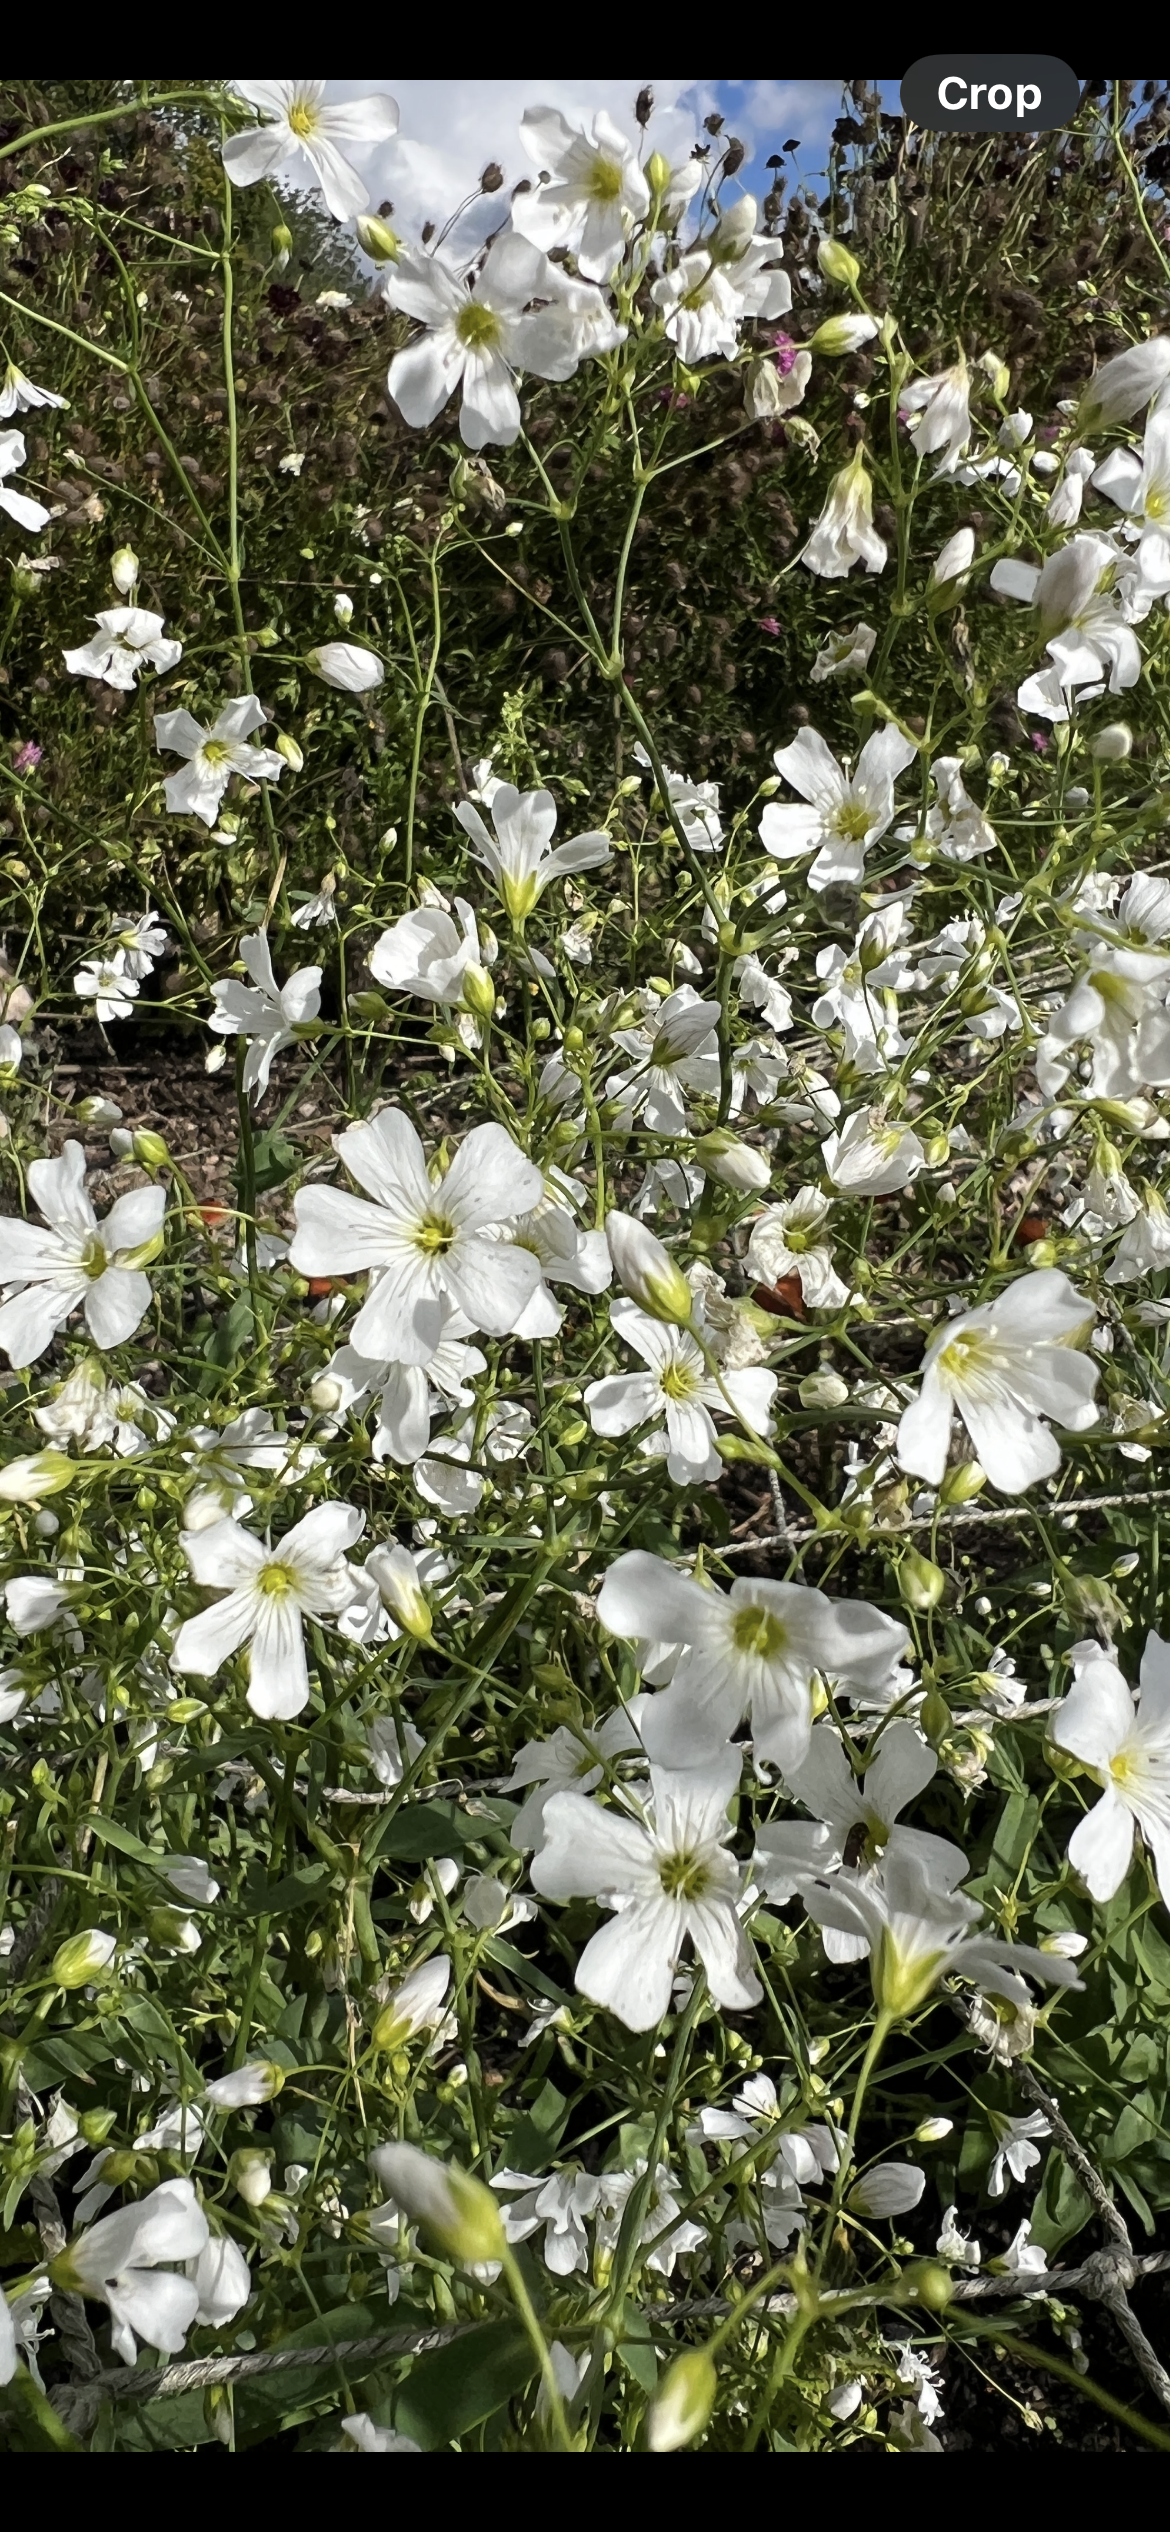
(852, 820)
(680, 1382)
(215, 752)
(277, 1582)
(302, 120)
(477, 327)
(758, 1631)
(434, 1235)
(968, 1355)
(605, 180)
(1125, 1770)
(1155, 503)
(684, 1876)
(94, 1260)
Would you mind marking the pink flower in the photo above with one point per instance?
(768, 624)
(26, 757)
(786, 351)
(1040, 742)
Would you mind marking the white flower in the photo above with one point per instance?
(943, 415)
(954, 824)
(258, 2080)
(763, 993)
(1124, 384)
(1141, 487)
(75, 1261)
(918, 1930)
(267, 1014)
(787, 1239)
(1144, 1246)
(675, 1388)
(1005, 1366)
(479, 336)
(119, 2263)
(26, 512)
(214, 755)
(346, 665)
(845, 533)
(750, 1651)
(128, 638)
(671, 1879)
(317, 910)
(844, 654)
(694, 804)
(18, 394)
(872, 1157)
(521, 856)
(591, 190)
(730, 274)
(675, 1050)
(859, 990)
(424, 953)
(369, 2438)
(299, 119)
(1015, 2152)
(1089, 595)
(417, 2004)
(140, 939)
(791, 1852)
(109, 985)
(562, 2204)
(222, 2279)
(660, 2223)
(1125, 1740)
(423, 1242)
(890, 2189)
(1023, 2257)
(572, 1760)
(409, 1393)
(266, 1594)
(846, 813)
(564, 1254)
(954, 559)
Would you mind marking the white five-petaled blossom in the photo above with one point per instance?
(677, 1390)
(1005, 1366)
(561, 2204)
(19, 395)
(845, 533)
(267, 1014)
(267, 1592)
(918, 1928)
(297, 118)
(425, 953)
(846, 813)
(669, 1877)
(71, 1260)
(1089, 595)
(479, 336)
(1125, 1740)
(1016, 2151)
(213, 756)
(791, 1852)
(572, 1760)
(750, 1651)
(1140, 485)
(591, 190)
(675, 1050)
(872, 1155)
(20, 506)
(521, 855)
(127, 639)
(941, 407)
(1124, 384)
(427, 1245)
(789, 1239)
(109, 985)
(119, 2262)
(409, 1394)
(729, 274)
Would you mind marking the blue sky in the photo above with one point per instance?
(451, 127)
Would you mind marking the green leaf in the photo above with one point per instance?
(111, 1833)
(294, 1890)
(276, 1159)
(538, 2131)
(231, 1339)
(458, 2386)
(420, 1830)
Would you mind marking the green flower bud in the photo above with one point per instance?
(647, 1272)
(960, 1485)
(149, 1149)
(920, 1582)
(378, 242)
(837, 264)
(657, 172)
(29, 1480)
(124, 570)
(479, 992)
(683, 2402)
(737, 1446)
(282, 239)
(82, 1958)
(736, 1163)
(460, 2213)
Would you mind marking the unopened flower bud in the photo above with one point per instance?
(30, 1480)
(932, 2131)
(376, 240)
(683, 2402)
(250, 2175)
(961, 1485)
(841, 334)
(459, 2211)
(927, 2281)
(415, 2006)
(647, 1271)
(954, 560)
(247, 2086)
(735, 1163)
(837, 264)
(287, 747)
(82, 1958)
(920, 1581)
(479, 992)
(282, 240)
(345, 665)
(326, 1394)
(343, 608)
(1112, 744)
(823, 1389)
(149, 1149)
(124, 570)
(658, 172)
(996, 372)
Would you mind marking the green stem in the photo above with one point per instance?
(527, 2312)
